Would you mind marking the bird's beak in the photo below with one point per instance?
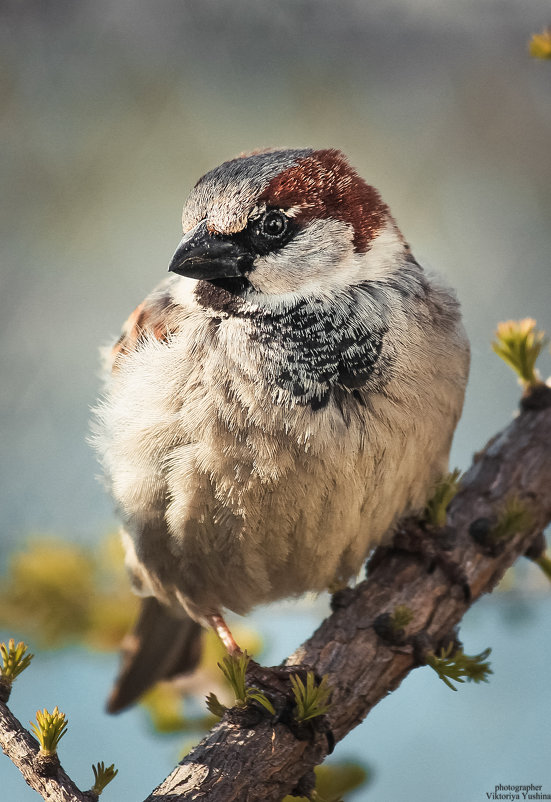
(203, 255)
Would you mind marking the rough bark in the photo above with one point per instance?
(264, 761)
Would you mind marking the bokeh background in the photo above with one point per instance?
(111, 110)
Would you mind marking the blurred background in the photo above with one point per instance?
(111, 110)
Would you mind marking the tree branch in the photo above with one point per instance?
(263, 761)
(23, 750)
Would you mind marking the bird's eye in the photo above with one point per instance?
(273, 224)
(269, 232)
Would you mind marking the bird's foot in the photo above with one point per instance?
(431, 545)
(275, 680)
(342, 598)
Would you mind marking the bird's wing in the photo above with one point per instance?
(162, 645)
(157, 316)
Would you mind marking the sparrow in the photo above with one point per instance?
(276, 405)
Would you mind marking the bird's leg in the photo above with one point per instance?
(259, 674)
(275, 679)
(223, 632)
(264, 676)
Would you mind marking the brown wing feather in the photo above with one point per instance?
(156, 316)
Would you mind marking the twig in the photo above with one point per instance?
(22, 749)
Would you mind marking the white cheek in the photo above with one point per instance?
(321, 260)
(305, 261)
(385, 255)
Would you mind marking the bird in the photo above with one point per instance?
(276, 405)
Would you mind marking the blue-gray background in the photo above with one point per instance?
(111, 110)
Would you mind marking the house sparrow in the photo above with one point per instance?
(277, 404)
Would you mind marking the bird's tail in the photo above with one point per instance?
(161, 646)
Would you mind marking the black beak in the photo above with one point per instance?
(207, 256)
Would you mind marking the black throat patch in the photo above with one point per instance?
(313, 347)
(318, 347)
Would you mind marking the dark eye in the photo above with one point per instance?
(269, 232)
(273, 224)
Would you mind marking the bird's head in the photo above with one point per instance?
(284, 224)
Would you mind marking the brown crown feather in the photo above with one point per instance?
(324, 185)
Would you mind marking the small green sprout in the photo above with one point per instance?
(102, 776)
(234, 668)
(49, 730)
(513, 517)
(540, 44)
(519, 343)
(261, 698)
(458, 666)
(215, 706)
(311, 700)
(444, 491)
(14, 662)
(401, 617)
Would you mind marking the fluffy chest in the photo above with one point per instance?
(236, 401)
(208, 447)
(251, 391)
